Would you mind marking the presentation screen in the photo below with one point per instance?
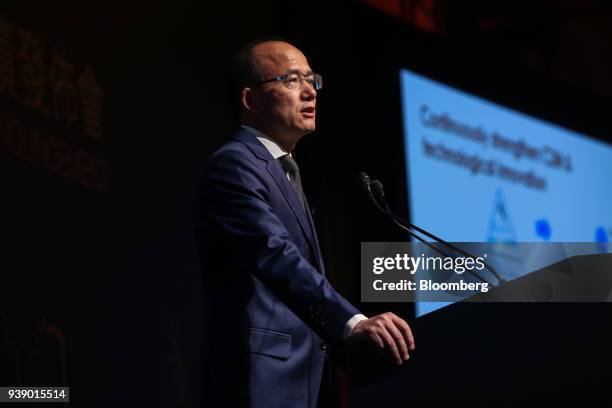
(480, 172)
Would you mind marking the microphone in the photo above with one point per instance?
(379, 193)
(364, 180)
(375, 188)
(379, 197)
(367, 186)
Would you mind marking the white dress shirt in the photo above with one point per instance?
(277, 151)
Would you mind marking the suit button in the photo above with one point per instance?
(323, 347)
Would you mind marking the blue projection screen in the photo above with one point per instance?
(480, 172)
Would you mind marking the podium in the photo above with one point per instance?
(481, 353)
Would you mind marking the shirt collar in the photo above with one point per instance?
(274, 148)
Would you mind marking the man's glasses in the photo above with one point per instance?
(296, 80)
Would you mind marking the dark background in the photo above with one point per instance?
(101, 287)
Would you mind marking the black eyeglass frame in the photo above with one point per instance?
(316, 81)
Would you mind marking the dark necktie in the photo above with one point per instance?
(291, 167)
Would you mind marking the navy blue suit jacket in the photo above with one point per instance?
(269, 307)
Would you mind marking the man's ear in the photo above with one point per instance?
(246, 99)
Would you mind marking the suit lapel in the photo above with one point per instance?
(275, 169)
(318, 254)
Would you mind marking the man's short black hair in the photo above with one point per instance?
(245, 68)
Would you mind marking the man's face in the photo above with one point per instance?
(287, 112)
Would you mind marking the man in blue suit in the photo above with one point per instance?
(270, 311)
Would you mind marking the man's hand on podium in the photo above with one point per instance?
(389, 332)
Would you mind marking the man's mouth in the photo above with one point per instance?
(308, 112)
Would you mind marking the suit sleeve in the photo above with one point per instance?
(236, 203)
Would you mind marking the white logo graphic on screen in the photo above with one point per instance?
(500, 227)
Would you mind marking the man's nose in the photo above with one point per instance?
(308, 91)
